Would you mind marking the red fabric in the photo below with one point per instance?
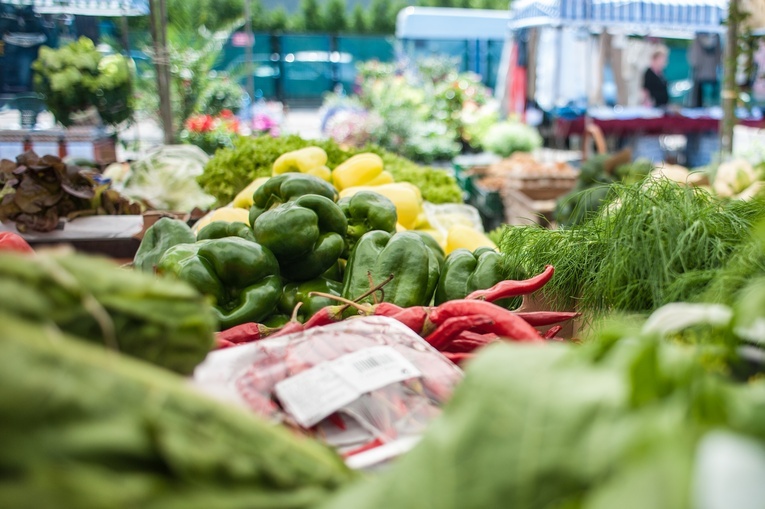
(516, 85)
(668, 124)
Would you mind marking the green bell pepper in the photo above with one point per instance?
(336, 271)
(223, 229)
(465, 272)
(307, 235)
(433, 245)
(367, 211)
(405, 255)
(242, 276)
(161, 236)
(292, 293)
(286, 187)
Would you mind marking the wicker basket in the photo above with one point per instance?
(542, 188)
(538, 181)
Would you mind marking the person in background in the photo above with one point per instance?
(704, 58)
(655, 92)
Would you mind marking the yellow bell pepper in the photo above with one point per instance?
(226, 214)
(243, 200)
(301, 160)
(462, 236)
(405, 196)
(384, 177)
(359, 170)
(436, 234)
(322, 172)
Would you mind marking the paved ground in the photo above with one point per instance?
(146, 133)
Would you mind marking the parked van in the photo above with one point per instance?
(474, 37)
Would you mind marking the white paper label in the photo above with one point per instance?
(315, 393)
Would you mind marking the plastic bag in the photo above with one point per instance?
(443, 216)
(362, 384)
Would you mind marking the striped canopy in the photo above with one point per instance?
(106, 8)
(641, 16)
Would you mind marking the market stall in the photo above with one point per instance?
(597, 51)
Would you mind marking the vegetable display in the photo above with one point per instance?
(651, 244)
(114, 421)
(39, 191)
(367, 211)
(241, 275)
(155, 319)
(232, 169)
(164, 178)
(158, 238)
(307, 235)
(286, 187)
(465, 272)
(379, 254)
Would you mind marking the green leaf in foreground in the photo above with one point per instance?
(83, 427)
(610, 424)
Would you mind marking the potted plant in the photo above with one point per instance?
(81, 86)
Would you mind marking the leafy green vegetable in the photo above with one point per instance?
(650, 244)
(164, 179)
(83, 427)
(230, 170)
(615, 423)
(37, 192)
(504, 138)
(159, 320)
(76, 77)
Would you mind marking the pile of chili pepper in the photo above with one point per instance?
(456, 328)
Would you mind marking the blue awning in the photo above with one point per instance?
(106, 8)
(530, 13)
(661, 15)
(640, 16)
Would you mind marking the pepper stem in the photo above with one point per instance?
(374, 289)
(295, 310)
(360, 307)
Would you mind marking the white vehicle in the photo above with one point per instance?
(474, 36)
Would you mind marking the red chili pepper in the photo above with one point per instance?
(293, 325)
(477, 336)
(552, 332)
(386, 309)
(452, 327)
(325, 316)
(512, 288)
(466, 345)
(223, 343)
(245, 333)
(13, 242)
(544, 318)
(458, 358)
(505, 323)
(413, 317)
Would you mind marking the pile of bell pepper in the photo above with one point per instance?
(292, 243)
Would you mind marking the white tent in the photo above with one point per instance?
(565, 24)
(626, 16)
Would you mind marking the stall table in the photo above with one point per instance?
(670, 123)
(81, 142)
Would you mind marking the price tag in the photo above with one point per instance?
(316, 393)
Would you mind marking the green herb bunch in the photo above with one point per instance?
(76, 77)
(650, 244)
